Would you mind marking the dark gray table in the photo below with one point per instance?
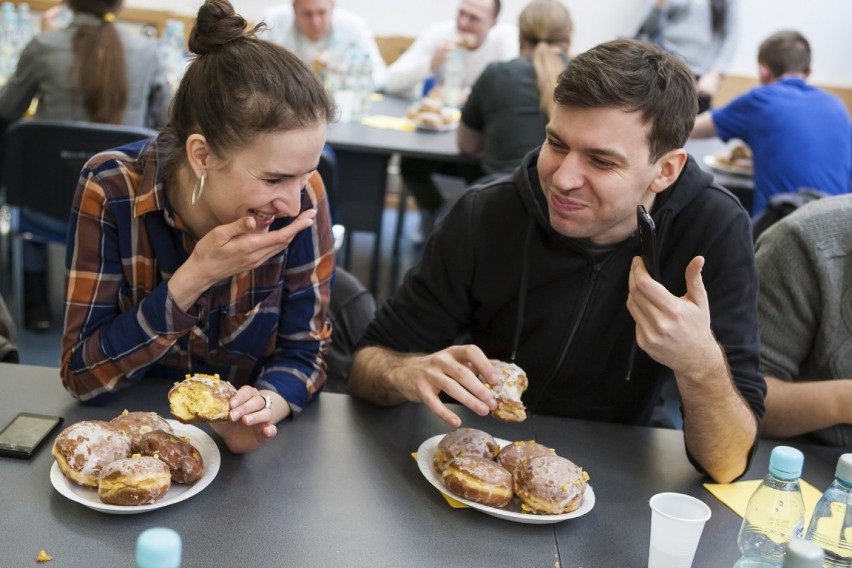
(363, 154)
(338, 487)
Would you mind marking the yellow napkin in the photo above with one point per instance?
(389, 122)
(736, 495)
(453, 503)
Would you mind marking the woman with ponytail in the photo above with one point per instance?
(209, 249)
(90, 71)
(510, 103)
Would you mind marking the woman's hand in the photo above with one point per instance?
(251, 423)
(231, 249)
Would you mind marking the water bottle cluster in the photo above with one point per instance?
(775, 517)
(347, 73)
(16, 31)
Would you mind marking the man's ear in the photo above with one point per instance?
(198, 154)
(670, 165)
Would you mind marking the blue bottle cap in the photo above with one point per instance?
(158, 548)
(786, 462)
(844, 469)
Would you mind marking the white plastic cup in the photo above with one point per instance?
(676, 524)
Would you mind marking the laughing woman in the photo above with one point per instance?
(209, 249)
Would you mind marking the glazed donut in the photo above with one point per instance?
(464, 442)
(513, 383)
(480, 480)
(136, 480)
(201, 398)
(549, 484)
(84, 448)
(521, 452)
(135, 424)
(182, 458)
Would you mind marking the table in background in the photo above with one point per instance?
(363, 153)
(740, 185)
(338, 487)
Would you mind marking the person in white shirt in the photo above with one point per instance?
(312, 29)
(476, 30)
(479, 39)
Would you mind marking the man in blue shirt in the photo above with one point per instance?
(799, 135)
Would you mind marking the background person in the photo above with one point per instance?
(541, 269)
(799, 135)
(478, 39)
(209, 248)
(313, 29)
(510, 103)
(805, 310)
(90, 71)
(703, 33)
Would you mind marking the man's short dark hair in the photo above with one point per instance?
(496, 8)
(786, 51)
(634, 76)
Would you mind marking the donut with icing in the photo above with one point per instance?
(549, 484)
(512, 384)
(136, 424)
(479, 479)
(84, 448)
(183, 459)
(464, 442)
(201, 398)
(137, 480)
(517, 453)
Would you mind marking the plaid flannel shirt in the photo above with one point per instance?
(265, 327)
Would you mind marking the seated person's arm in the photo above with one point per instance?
(704, 126)
(470, 141)
(719, 426)
(387, 377)
(799, 408)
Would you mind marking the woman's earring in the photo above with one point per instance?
(198, 190)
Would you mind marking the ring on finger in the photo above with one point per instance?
(267, 401)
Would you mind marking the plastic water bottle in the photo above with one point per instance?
(452, 88)
(775, 514)
(158, 547)
(173, 51)
(8, 39)
(25, 26)
(802, 554)
(831, 524)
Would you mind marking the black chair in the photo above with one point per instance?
(42, 165)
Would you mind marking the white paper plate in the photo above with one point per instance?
(88, 496)
(512, 511)
(715, 164)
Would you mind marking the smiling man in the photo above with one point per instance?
(542, 268)
(313, 28)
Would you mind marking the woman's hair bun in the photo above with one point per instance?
(216, 24)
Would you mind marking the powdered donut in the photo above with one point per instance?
(135, 424)
(521, 452)
(513, 383)
(480, 480)
(83, 449)
(136, 480)
(464, 442)
(182, 458)
(550, 484)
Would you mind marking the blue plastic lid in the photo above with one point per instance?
(158, 548)
(844, 469)
(786, 462)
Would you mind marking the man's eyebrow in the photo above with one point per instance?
(601, 152)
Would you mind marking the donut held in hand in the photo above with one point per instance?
(137, 480)
(201, 398)
(478, 479)
(512, 384)
(84, 448)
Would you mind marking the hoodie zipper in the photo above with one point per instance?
(596, 269)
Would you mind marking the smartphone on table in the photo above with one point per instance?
(25, 433)
(648, 241)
